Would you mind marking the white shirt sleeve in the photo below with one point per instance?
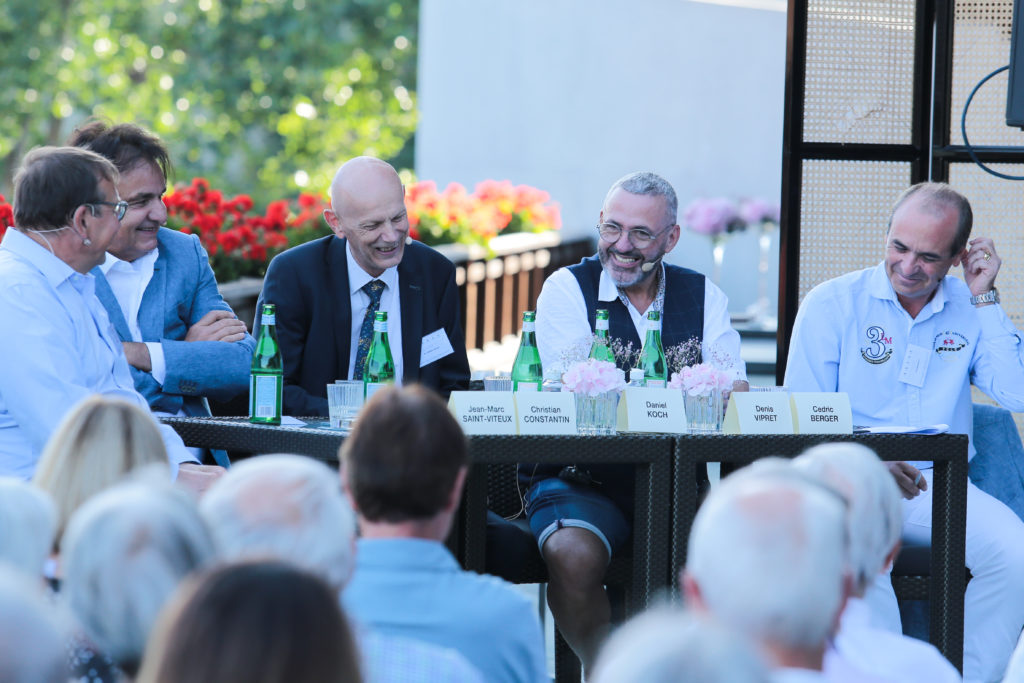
(721, 343)
(815, 346)
(157, 362)
(563, 332)
(998, 367)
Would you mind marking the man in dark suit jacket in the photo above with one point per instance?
(319, 289)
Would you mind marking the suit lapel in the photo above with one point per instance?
(411, 301)
(338, 293)
(152, 309)
(106, 296)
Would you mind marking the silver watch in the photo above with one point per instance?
(989, 297)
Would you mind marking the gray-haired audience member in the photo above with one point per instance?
(875, 520)
(28, 520)
(291, 508)
(125, 552)
(767, 557)
(31, 637)
(670, 646)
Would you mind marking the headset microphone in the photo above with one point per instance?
(650, 265)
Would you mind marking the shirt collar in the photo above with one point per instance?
(53, 269)
(880, 287)
(111, 262)
(357, 277)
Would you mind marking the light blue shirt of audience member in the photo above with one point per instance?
(57, 347)
(414, 588)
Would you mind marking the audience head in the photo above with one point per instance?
(874, 505)
(368, 209)
(28, 520)
(406, 457)
(32, 639)
(144, 166)
(96, 444)
(265, 622)
(670, 646)
(284, 507)
(767, 556)
(125, 552)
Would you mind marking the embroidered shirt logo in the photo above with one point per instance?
(947, 344)
(880, 348)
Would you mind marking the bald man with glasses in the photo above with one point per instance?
(581, 518)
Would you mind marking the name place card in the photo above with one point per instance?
(644, 409)
(484, 412)
(760, 412)
(822, 413)
(546, 412)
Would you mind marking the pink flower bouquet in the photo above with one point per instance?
(700, 380)
(712, 217)
(593, 378)
(756, 211)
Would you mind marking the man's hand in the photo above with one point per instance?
(981, 266)
(737, 385)
(217, 325)
(197, 478)
(137, 354)
(908, 478)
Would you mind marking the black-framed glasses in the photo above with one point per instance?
(120, 208)
(638, 237)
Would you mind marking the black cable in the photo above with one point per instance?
(963, 129)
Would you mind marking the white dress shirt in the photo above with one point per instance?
(389, 303)
(128, 281)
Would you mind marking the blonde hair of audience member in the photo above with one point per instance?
(767, 556)
(125, 552)
(254, 622)
(28, 519)
(875, 511)
(666, 645)
(32, 637)
(96, 444)
(285, 507)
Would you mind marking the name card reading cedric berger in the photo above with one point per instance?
(546, 412)
(484, 412)
(822, 413)
(758, 412)
(652, 410)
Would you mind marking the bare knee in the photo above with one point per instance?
(575, 555)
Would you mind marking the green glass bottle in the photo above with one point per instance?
(380, 367)
(527, 373)
(266, 378)
(652, 357)
(600, 349)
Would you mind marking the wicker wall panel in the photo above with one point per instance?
(844, 209)
(860, 60)
(981, 44)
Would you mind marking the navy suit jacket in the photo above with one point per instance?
(183, 289)
(309, 286)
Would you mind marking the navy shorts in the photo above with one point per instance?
(553, 503)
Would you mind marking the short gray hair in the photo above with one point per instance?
(28, 521)
(126, 550)
(934, 196)
(31, 636)
(652, 185)
(284, 507)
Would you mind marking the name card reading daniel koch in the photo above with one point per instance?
(484, 412)
(822, 413)
(758, 412)
(644, 409)
(546, 412)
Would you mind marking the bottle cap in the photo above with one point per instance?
(636, 374)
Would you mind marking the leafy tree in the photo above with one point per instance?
(259, 96)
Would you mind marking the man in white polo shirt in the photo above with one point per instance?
(906, 342)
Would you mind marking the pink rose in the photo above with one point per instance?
(593, 377)
(700, 380)
(755, 211)
(712, 216)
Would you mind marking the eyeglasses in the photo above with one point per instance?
(638, 237)
(120, 208)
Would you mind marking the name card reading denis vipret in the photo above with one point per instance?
(546, 412)
(758, 412)
(644, 409)
(484, 412)
(822, 413)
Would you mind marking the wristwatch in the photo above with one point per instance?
(989, 297)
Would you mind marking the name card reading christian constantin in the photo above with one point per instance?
(546, 412)
(644, 409)
(760, 412)
(484, 412)
(822, 413)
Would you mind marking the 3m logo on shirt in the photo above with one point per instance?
(879, 348)
(947, 344)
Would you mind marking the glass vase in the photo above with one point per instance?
(704, 412)
(596, 415)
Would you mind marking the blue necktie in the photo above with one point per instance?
(373, 289)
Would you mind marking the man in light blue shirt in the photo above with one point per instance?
(906, 342)
(58, 346)
(404, 466)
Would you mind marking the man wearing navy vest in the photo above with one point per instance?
(581, 518)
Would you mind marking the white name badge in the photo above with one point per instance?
(484, 412)
(434, 346)
(822, 413)
(545, 412)
(643, 409)
(760, 412)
